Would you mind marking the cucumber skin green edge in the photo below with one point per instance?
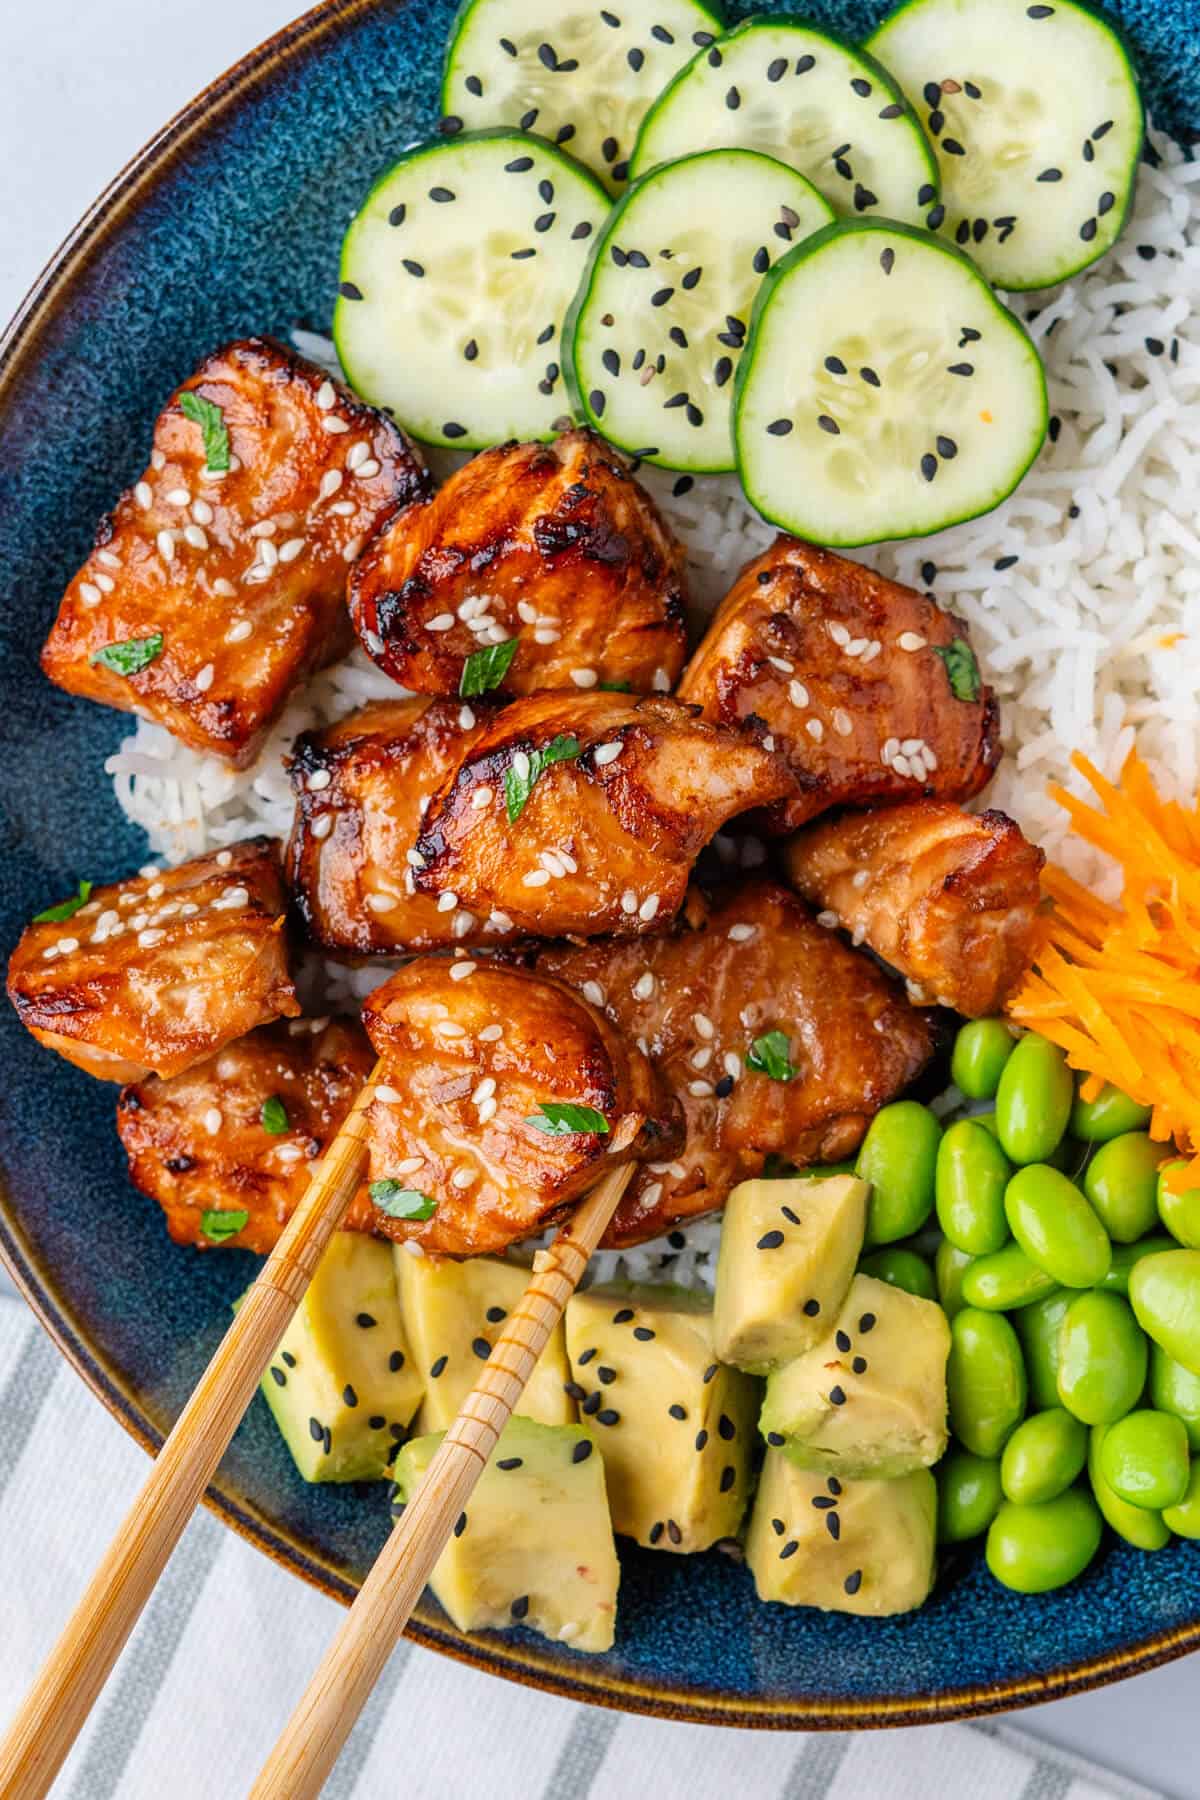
(762, 302)
(429, 147)
(576, 389)
(1126, 51)
(794, 21)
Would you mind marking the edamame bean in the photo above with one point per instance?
(901, 1268)
(1033, 1549)
(1107, 1116)
(1033, 1100)
(1179, 1208)
(1005, 1281)
(981, 1049)
(1126, 1258)
(1184, 1516)
(969, 1496)
(1144, 1530)
(1043, 1456)
(1121, 1181)
(1102, 1358)
(1164, 1291)
(1055, 1226)
(985, 1381)
(949, 1267)
(1144, 1459)
(1038, 1327)
(898, 1157)
(970, 1177)
(1174, 1389)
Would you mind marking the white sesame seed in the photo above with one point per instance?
(466, 718)
(367, 470)
(629, 901)
(89, 593)
(741, 934)
(350, 550)
(188, 910)
(448, 1028)
(414, 859)
(702, 1025)
(460, 970)
(331, 481)
(536, 878)
(212, 1121)
(289, 1153)
(268, 555)
(202, 512)
(891, 746)
(462, 922)
(491, 1033)
(322, 827)
(50, 952)
(838, 633)
(496, 634)
(782, 664)
(648, 908)
(902, 766)
(266, 528)
(552, 863)
(768, 742)
(702, 1057)
(239, 632)
(829, 920)
(700, 1090)
(413, 1248)
(856, 646)
(499, 921)
(374, 643)
(568, 862)
(584, 678)
(483, 796)
(872, 650)
(544, 636)
(204, 678)
(358, 453)
(196, 536)
(67, 944)
(462, 1178)
(108, 558)
(138, 920)
(606, 753)
(105, 583)
(165, 540)
(442, 622)
(332, 424)
(447, 902)
(526, 612)
(484, 1090)
(326, 396)
(225, 588)
(320, 778)
(158, 460)
(842, 722)
(815, 729)
(521, 765)
(143, 495)
(380, 902)
(731, 1064)
(911, 640)
(931, 761)
(232, 899)
(661, 682)
(290, 551)
(592, 991)
(652, 1195)
(178, 497)
(487, 1111)
(343, 508)
(912, 746)
(644, 986)
(797, 693)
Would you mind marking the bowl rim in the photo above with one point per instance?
(581, 1681)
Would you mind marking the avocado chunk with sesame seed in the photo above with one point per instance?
(870, 1398)
(788, 1251)
(862, 1547)
(453, 1313)
(343, 1385)
(675, 1425)
(535, 1544)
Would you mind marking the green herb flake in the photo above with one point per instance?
(66, 909)
(962, 671)
(559, 1118)
(130, 656)
(211, 420)
(613, 687)
(218, 1227)
(517, 788)
(486, 669)
(770, 1055)
(400, 1202)
(274, 1116)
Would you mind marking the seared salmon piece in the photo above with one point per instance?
(868, 689)
(948, 898)
(554, 546)
(155, 973)
(775, 1037)
(240, 1131)
(218, 581)
(503, 1096)
(582, 814)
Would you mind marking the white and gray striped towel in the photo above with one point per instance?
(228, 1641)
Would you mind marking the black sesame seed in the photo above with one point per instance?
(952, 147)
(460, 1524)
(1089, 150)
(823, 1502)
(770, 1240)
(471, 350)
(1004, 562)
(834, 1485)
(660, 296)
(859, 1365)
(414, 268)
(1105, 203)
(1155, 346)
(867, 1322)
(676, 1411)
(637, 260)
(596, 401)
(397, 1432)
(544, 221)
(451, 125)
(316, 1430)
(1072, 512)
(778, 1527)
(760, 262)
(837, 1396)
(715, 59)
(1050, 175)
(937, 119)
(962, 232)
(789, 1549)
(861, 87)
(482, 1348)
(606, 1376)
(946, 448)
(1087, 230)
(644, 1334)
(728, 1477)
(520, 1607)
(931, 93)
(925, 193)
(439, 1367)
(777, 69)
(833, 1526)
(327, 1440)
(710, 1372)
(377, 1421)
(724, 1087)
(673, 1532)
(835, 365)
(662, 34)
(655, 1532)
(678, 336)
(610, 18)
(829, 425)
(763, 578)
(452, 429)
(545, 336)
(893, 111)
(528, 120)
(804, 64)
(582, 230)
(635, 58)
(278, 1377)
(852, 1582)
(726, 1428)
(776, 1439)
(701, 1439)
(842, 1341)
(620, 171)
(961, 369)
(863, 197)
(928, 573)
(676, 1239)
(843, 168)
(887, 260)
(936, 218)
(811, 1308)
(509, 1462)
(523, 255)
(972, 92)
(582, 1450)
(870, 377)
(607, 1416)
(683, 486)
(348, 291)
(349, 1396)
(365, 1320)
(779, 427)
(591, 1404)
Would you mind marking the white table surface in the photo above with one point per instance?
(87, 82)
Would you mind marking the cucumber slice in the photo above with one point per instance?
(782, 86)
(580, 74)
(655, 332)
(885, 392)
(1037, 122)
(456, 275)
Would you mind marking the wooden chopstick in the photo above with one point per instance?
(313, 1738)
(56, 1707)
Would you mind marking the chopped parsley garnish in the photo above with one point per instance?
(218, 1227)
(66, 909)
(559, 1118)
(613, 687)
(517, 788)
(771, 1055)
(486, 669)
(211, 420)
(130, 656)
(274, 1116)
(962, 671)
(400, 1202)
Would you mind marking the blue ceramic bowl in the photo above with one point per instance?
(229, 223)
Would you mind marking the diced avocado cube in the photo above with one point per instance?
(342, 1384)
(845, 1546)
(535, 1544)
(870, 1398)
(453, 1313)
(675, 1425)
(788, 1252)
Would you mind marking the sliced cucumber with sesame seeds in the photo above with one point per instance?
(786, 88)
(885, 392)
(659, 323)
(456, 276)
(1034, 113)
(574, 71)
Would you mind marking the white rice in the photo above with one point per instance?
(1090, 639)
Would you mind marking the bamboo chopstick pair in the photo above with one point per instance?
(56, 1707)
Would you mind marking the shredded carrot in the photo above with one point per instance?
(1118, 987)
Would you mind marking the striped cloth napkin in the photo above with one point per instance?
(228, 1641)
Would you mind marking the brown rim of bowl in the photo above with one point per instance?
(528, 1667)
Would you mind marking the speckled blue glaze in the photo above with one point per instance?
(229, 225)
